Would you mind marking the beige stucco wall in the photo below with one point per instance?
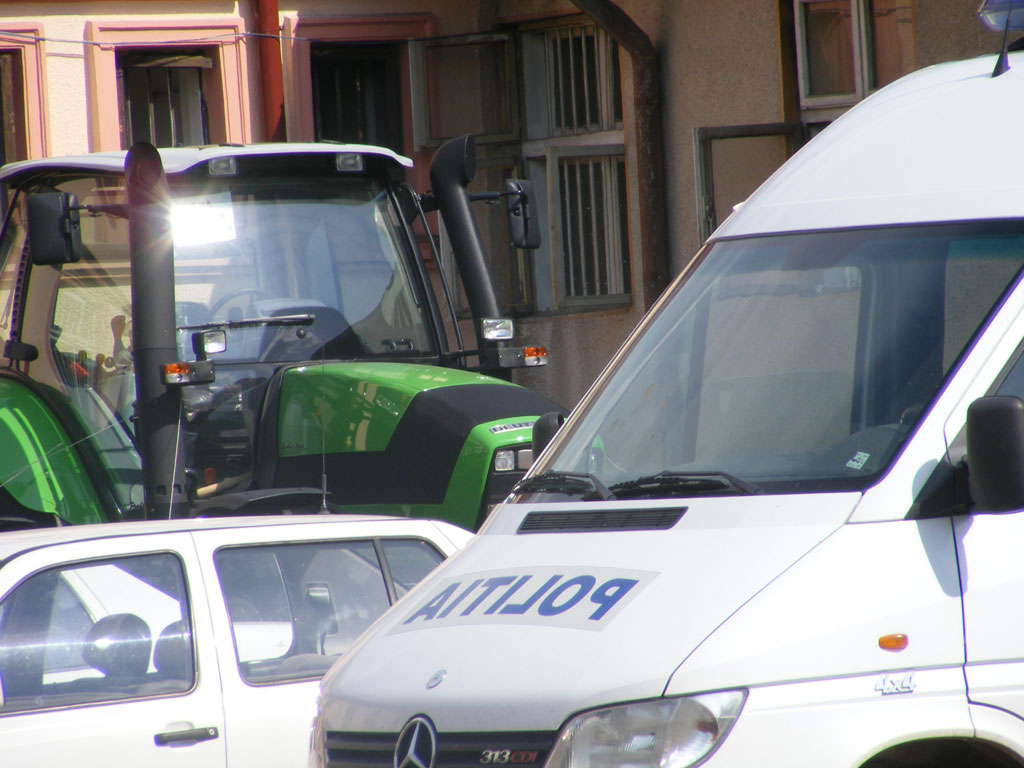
(64, 63)
(65, 67)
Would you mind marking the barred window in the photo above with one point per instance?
(574, 149)
(583, 80)
(594, 226)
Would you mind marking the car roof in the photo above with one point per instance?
(180, 159)
(13, 543)
(940, 144)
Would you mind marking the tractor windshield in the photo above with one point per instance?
(247, 251)
(293, 261)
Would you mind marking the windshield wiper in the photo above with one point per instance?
(252, 322)
(680, 484)
(588, 487)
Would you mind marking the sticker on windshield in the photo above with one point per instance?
(859, 460)
(567, 597)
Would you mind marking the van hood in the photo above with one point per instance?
(519, 630)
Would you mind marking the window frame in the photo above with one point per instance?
(26, 41)
(544, 144)
(824, 108)
(170, 61)
(187, 614)
(554, 154)
(227, 87)
(301, 673)
(423, 84)
(703, 167)
(299, 32)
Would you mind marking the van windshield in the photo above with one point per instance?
(790, 363)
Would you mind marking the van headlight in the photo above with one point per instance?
(661, 733)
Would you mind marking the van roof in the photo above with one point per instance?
(941, 144)
(179, 159)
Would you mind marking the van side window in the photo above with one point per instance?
(295, 607)
(1013, 384)
(96, 631)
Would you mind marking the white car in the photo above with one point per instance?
(190, 642)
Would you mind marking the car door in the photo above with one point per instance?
(293, 598)
(106, 656)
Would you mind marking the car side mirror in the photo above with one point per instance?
(524, 229)
(54, 228)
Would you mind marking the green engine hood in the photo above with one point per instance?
(355, 407)
(417, 439)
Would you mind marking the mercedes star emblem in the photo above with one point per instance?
(417, 744)
(436, 678)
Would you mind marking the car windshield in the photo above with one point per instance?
(791, 363)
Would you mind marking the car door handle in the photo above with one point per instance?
(192, 735)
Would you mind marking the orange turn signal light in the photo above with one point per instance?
(897, 642)
(197, 372)
(535, 355)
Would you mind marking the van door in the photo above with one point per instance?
(992, 582)
(106, 656)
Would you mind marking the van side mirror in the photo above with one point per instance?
(54, 228)
(995, 453)
(544, 429)
(524, 229)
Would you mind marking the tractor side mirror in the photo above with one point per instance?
(523, 226)
(54, 228)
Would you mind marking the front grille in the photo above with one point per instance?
(601, 520)
(528, 749)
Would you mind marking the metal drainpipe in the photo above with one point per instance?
(649, 141)
(268, 58)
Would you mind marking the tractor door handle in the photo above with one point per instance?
(190, 736)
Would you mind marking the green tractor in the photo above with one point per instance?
(234, 330)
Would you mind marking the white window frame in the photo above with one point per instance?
(860, 45)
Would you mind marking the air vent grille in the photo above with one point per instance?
(601, 520)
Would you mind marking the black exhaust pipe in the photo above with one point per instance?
(451, 170)
(158, 407)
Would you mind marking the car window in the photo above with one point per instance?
(96, 631)
(294, 608)
(409, 561)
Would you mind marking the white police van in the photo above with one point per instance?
(756, 541)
